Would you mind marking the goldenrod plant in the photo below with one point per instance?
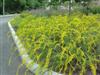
(61, 43)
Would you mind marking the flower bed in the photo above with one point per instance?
(60, 43)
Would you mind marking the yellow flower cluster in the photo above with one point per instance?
(61, 43)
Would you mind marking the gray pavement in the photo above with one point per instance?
(9, 58)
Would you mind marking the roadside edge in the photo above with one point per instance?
(25, 57)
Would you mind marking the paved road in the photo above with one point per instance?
(7, 51)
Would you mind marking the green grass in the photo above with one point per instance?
(61, 43)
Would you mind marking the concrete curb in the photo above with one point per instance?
(8, 15)
(33, 67)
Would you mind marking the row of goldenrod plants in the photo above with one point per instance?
(61, 43)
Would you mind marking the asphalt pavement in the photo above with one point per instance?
(10, 62)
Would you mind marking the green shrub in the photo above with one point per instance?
(95, 10)
(60, 43)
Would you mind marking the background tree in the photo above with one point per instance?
(12, 6)
(29, 4)
(0, 6)
(83, 0)
(85, 4)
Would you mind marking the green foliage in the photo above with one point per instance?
(90, 10)
(60, 43)
(83, 0)
(12, 6)
(85, 5)
(22, 2)
(55, 3)
(95, 10)
(0, 6)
